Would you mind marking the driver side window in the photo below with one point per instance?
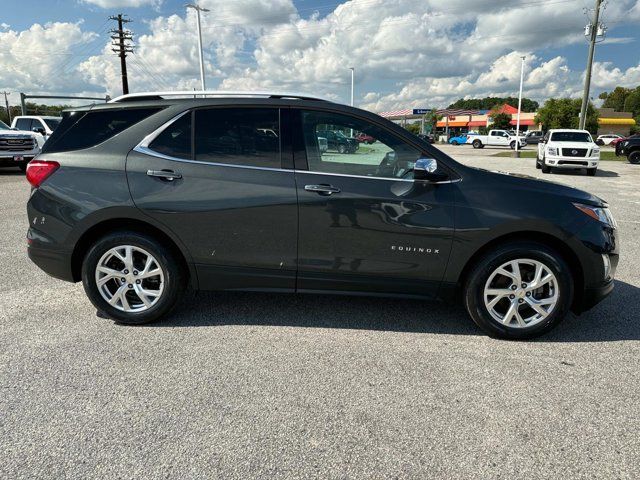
(341, 144)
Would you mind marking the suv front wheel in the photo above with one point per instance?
(132, 278)
(519, 291)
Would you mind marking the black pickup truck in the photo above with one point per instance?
(630, 148)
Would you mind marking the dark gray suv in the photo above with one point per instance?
(152, 193)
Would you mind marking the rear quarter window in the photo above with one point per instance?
(79, 130)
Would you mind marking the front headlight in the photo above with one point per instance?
(595, 152)
(601, 214)
(552, 151)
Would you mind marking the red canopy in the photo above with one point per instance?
(527, 122)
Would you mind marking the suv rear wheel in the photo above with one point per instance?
(132, 278)
(634, 157)
(519, 291)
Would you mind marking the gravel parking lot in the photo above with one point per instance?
(250, 385)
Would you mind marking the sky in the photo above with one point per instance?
(406, 53)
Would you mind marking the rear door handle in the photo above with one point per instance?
(322, 189)
(168, 175)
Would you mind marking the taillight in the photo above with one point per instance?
(39, 170)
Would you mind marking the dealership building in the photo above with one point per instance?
(459, 121)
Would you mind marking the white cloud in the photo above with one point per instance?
(425, 53)
(41, 58)
(122, 3)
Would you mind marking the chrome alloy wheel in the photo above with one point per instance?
(521, 293)
(129, 278)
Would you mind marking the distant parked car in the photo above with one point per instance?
(630, 148)
(364, 138)
(338, 141)
(44, 125)
(496, 138)
(614, 143)
(17, 148)
(459, 139)
(607, 139)
(427, 137)
(534, 136)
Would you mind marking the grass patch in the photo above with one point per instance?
(532, 154)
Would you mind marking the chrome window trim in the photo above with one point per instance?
(153, 135)
(143, 148)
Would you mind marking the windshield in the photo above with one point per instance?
(52, 123)
(3, 126)
(571, 137)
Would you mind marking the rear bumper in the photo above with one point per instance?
(49, 257)
(57, 264)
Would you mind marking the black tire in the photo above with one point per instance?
(477, 144)
(477, 278)
(592, 172)
(545, 168)
(174, 277)
(513, 145)
(634, 157)
(454, 142)
(538, 166)
(342, 149)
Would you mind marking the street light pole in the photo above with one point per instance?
(199, 9)
(519, 108)
(352, 73)
(587, 77)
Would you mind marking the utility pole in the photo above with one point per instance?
(6, 102)
(593, 31)
(121, 46)
(199, 9)
(519, 108)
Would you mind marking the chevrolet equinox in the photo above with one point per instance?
(152, 193)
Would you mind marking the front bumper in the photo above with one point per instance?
(571, 162)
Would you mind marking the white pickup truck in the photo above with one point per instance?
(568, 148)
(495, 138)
(17, 147)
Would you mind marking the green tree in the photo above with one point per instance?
(413, 128)
(615, 99)
(632, 102)
(564, 113)
(488, 103)
(431, 119)
(501, 121)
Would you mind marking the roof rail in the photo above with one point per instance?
(210, 93)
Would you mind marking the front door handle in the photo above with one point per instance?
(168, 175)
(322, 189)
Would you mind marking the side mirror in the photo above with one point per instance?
(39, 130)
(426, 169)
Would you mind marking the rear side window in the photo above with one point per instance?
(80, 130)
(23, 124)
(175, 140)
(238, 136)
